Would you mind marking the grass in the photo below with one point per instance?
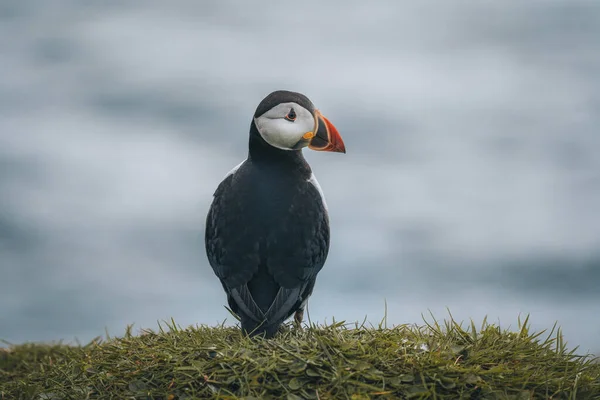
(339, 361)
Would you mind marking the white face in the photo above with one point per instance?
(279, 131)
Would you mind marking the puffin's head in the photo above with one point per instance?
(289, 121)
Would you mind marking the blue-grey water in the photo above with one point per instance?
(472, 178)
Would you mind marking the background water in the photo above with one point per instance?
(472, 178)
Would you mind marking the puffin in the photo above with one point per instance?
(267, 231)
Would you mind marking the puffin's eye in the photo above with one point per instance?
(291, 116)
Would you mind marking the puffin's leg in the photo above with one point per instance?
(298, 317)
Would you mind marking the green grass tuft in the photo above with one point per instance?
(337, 361)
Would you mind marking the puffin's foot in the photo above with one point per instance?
(298, 317)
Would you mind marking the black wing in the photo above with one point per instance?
(299, 243)
(231, 244)
(296, 251)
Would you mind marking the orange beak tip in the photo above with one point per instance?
(327, 137)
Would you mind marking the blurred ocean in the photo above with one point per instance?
(472, 178)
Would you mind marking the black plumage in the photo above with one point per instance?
(267, 231)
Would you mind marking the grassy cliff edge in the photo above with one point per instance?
(433, 361)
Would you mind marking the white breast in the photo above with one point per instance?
(313, 180)
(234, 169)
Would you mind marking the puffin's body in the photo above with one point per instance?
(267, 230)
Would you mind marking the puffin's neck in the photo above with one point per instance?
(262, 153)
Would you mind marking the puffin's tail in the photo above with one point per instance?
(252, 328)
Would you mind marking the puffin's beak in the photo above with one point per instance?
(326, 137)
